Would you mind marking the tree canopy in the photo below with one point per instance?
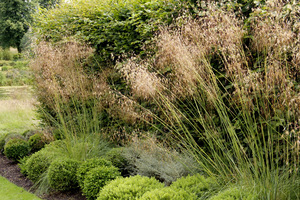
(14, 22)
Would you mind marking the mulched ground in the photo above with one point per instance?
(11, 171)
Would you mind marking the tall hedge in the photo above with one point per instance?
(113, 27)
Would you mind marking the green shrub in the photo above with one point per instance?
(168, 193)
(22, 165)
(234, 193)
(117, 158)
(7, 55)
(62, 174)
(96, 178)
(113, 27)
(128, 188)
(86, 166)
(196, 184)
(37, 142)
(38, 163)
(6, 137)
(16, 149)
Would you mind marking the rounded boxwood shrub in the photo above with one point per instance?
(38, 163)
(168, 193)
(234, 193)
(115, 156)
(96, 178)
(129, 188)
(6, 137)
(87, 166)
(62, 174)
(196, 184)
(16, 149)
(37, 142)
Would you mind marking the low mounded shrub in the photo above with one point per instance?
(196, 184)
(37, 142)
(234, 193)
(62, 174)
(16, 149)
(168, 193)
(96, 178)
(6, 137)
(129, 188)
(38, 163)
(86, 166)
(115, 156)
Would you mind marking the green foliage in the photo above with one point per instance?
(96, 178)
(196, 184)
(14, 18)
(168, 193)
(116, 156)
(88, 165)
(16, 149)
(6, 54)
(37, 142)
(128, 188)
(114, 28)
(62, 174)
(23, 166)
(38, 163)
(150, 158)
(234, 193)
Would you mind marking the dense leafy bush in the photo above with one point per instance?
(196, 184)
(128, 188)
(38, 163)
(96, 178)
(234, 193)
(89, 164)
(16, 149)
(37, 142)
(168, 193)
(117, 158)
(62, 174)
(112, 27)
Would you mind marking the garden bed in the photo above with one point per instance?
(11, 171)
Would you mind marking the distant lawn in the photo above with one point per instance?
(9, 191)
(16, 110)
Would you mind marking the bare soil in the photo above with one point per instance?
(11, 171)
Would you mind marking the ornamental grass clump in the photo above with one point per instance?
(230, 95)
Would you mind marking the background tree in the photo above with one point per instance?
(14, 22)
(48, 3)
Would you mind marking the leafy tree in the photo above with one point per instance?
(14, 18)
(48, 3)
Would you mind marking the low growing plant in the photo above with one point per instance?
(62, 174)
(38, 163)
(168, 193)
(16, 149)
(129, 188)
(88, 165)
(117, 158)
(196, 184)
(96, 178)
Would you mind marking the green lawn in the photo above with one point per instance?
(9, 191)
(16, 109)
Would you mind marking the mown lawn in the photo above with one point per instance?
(16, 109)
(9, 191)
